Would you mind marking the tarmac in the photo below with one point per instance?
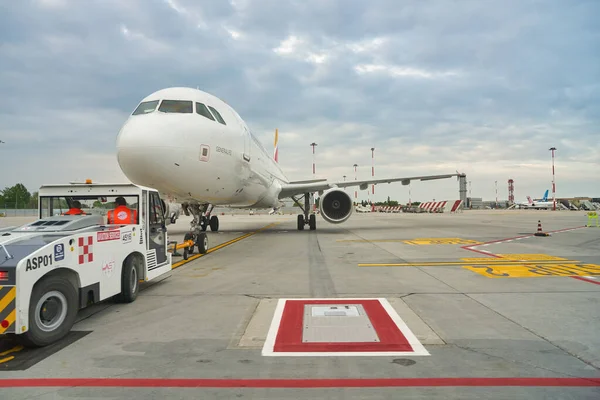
(448, 306)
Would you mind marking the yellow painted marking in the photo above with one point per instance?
(10, 296)
(432, 241)
(535, 270)
(489, 261)
(418, 241)
(10, 318)
(13, 350)
(529, 257)
(506, 259)
(371, 241)
(3, 360)
(195, 256)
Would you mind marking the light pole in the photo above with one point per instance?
(355, 178)
(313, 164)
(496, 183)
(553, 149)
(373, 168)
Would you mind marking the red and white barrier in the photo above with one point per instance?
(388, 209)
(441, 206)
(433, 206)
(430, 206)
(456, 206)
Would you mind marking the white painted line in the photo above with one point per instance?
(418, 348)
(343, 354)
(270, 341)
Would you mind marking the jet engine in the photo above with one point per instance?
(335, 206)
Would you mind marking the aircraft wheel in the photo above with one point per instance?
(300, 222)
(214, 223)
(312, 222)
(52, 311)
(202, 243)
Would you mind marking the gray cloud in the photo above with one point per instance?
(480, 87)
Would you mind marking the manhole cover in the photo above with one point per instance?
(405, 362)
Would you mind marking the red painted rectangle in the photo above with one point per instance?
(289, 336)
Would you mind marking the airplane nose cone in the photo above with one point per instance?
(138, 131)
(143, 153)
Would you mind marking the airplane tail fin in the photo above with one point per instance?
(529, 200)
(545, 198)
(276, 151)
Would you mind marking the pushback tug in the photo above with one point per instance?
(59, 264)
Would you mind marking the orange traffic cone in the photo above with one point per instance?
(539, 230)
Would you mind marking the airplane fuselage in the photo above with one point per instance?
(198, 152)
(188, 156)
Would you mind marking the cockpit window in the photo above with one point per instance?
(146, 107)
(202, 110)
(176, 106)
(217, 115)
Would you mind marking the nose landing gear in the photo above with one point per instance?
(202, 220)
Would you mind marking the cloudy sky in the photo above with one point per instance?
(482, 87)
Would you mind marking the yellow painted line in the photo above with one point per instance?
(535, 270)
(417, 241)
(10, 296)
(433, 241)
(506, 259)
(3, 360)
(213, 249)
(486, 262)
(13, 350)
(528, 256)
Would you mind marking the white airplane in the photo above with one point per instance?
(198, 152)
(543, 203)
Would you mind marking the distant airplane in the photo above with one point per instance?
(198, 152)
(544, 198)
(2, 142)
(543, 203)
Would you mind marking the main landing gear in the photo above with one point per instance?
(306, 218)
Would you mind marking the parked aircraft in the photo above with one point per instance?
(544, 198)
(198, 152)
(537, 204)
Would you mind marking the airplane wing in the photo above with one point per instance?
(320, 185)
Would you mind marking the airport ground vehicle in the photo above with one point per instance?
(51, 268)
